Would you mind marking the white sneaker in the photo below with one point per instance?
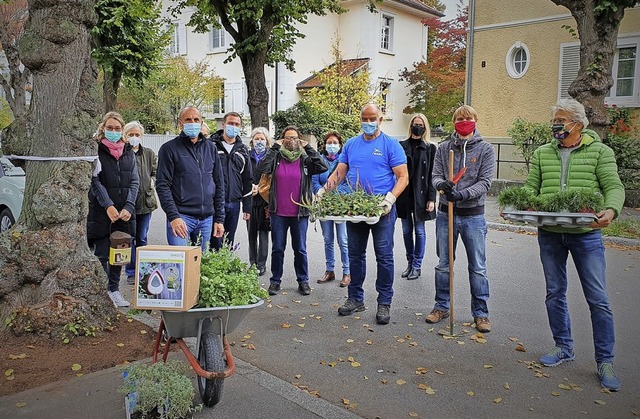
(118, 299)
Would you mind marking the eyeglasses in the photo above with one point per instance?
(112, 128)
(291, 138)
(561, 121)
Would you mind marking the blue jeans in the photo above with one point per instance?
(415, 252)
(142, 228)
(587, 251)
(472, 230)
(298, 228)
(231, 217)
(327, 233)
(358, 236)
(197, 230)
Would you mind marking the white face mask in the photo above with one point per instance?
(135, 141)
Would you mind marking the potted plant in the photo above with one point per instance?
(358, 205)
(158, 390)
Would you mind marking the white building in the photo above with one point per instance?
(391, 39)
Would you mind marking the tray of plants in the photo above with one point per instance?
(356, 206)
(352, 218)
(542, 218)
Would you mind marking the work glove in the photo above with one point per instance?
(445, 187)
(318, 196)
(387, 203)
(454, 196)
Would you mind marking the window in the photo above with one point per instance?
(219, 38)
(517, 61)
(218, 104)
(386, 40)
(625, 71)
(384, 95)
(178, 43)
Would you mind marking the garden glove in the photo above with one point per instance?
(445, 187)
(387, 203)
(454, 196)
(318, 196)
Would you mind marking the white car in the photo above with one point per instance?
(11, 193)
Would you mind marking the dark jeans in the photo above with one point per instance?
(231, 217)
(358, 237)
(142, 228)
(101, 250)
(258, 244)
(298, 228)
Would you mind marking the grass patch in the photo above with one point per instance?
(629, 229)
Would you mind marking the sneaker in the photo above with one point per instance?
(304, 288)
(436, 315)
(482, 324)
(118, 299)
(608, 377)
(383, 316)
(131, 280)
(274, 287)
(556, 357)
(350, 306)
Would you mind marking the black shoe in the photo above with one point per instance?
(415, 274)
(383, 316)
(304, 288)
(262, 270)
(406, 272)
(274, 288)
(350, 306)
(131, 280)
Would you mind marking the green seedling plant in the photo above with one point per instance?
(577, 200)
(518, 198)
(355, 203)
(77, 328)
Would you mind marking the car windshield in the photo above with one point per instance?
(8, 169)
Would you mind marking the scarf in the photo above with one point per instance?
(115, 149)
(289, 155)
(257, 156)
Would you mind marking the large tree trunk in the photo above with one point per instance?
(12, 19)
(49, 275)
(598, 33)
(257, 93)
(110, 90)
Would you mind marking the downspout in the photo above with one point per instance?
(277, 91)
(472, 15)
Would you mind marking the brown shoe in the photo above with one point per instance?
(482, 324)
(436, 315)
(346, 280)
(327, 277)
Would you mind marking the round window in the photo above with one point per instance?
(517, 60)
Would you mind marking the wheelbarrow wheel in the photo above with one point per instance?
(211, 358)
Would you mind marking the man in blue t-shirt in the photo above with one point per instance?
(376, 162)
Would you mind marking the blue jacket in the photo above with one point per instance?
(237, 171)
(318, 181)
(189, 179)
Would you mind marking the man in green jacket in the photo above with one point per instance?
(577, 160)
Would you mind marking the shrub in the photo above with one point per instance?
(528, 136)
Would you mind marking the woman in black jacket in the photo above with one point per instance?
(417, 203)
(112, 197)
(258, 225)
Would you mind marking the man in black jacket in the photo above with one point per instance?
(190, 184)
(238, 177)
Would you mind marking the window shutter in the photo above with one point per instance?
(569, 66)
(182, 39)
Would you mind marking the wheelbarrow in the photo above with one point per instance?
(209, 326)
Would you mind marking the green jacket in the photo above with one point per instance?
(592, 166)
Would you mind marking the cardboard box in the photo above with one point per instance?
(167, 277)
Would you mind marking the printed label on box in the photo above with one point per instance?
(161, 278)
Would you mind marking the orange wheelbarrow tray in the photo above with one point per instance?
(209, 326)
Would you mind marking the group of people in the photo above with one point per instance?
(202, 182)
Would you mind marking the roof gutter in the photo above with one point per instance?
(472, 16)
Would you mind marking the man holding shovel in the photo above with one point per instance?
(473, 166)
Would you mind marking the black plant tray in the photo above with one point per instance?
(541, 218)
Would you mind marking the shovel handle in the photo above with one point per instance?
(451, 255)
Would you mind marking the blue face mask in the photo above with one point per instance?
(231, 131)
(259, 146)
(112, 136)
(332, 148)
(191, 129)
(369, 128)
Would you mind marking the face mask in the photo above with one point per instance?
(332, 148)
(112, 136)
(191, 129)
(560, 132)
(465, 128)
(369, 128)
(418, 130)
(135, 141)
(259, 146)
(291, 145)
(231, 131)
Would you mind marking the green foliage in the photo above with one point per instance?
(77, 328)
(6, 116)
(518, 198)
(627, 152)
(623, 228)
(576, 200)
(316, 121)
(528, 136)
(356, 203)
(225, 280)
(160, 388)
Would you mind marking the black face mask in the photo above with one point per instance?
(417, 130)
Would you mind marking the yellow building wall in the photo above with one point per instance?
(489, 12)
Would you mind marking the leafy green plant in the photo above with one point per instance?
(518, 198)
(578, 200)
(77, 328)
(356, 203)
(225, 280)
(528, 136)
(316, 120)
(160, 390)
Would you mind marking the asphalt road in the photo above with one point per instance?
(382, 371)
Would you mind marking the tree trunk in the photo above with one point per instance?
(110, 90)
(49, 275)
(257, 93)
(598, 33)
(12, 19)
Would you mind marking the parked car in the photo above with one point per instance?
(11, 193)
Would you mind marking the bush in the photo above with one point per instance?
(627, 151)
(528, 136)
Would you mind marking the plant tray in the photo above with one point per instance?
(540, 218)
(352, 218)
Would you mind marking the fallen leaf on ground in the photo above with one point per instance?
(605, 390)
(555, 393)
(332, 364)
(369, 342)
(514, 339)
(76, 367)
(600, 402)
(251, 346)
(301, 325)
(487, 366)
(8, 372)
(430, 391)
(346, 402)
(119, 345)
(564, 387)
(19, 356)
(421, 370)
(349, 340)
(355, 364)
(423, 386)
(470, 393)
(413, 414)
(400, 382)
(438, 372)
(297, 376)
(384, 380)
(20, 404)
(497, 400)
(297, 340)
(506, 386)
(520, 348)
(143, 332)
(285, 325)
(351, 359)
